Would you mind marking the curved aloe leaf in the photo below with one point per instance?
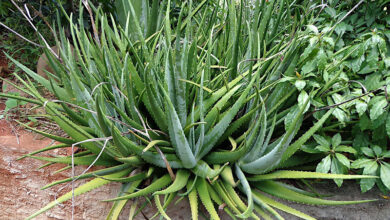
(205, 198)
(281, 206)
(156, 185)
(292, 174)
(278, 190)
(180, 182)
(93, 184)
(273, 158)
(117, 207)
(248, 192)
(176, 133)
(91, 174)
(298, 143)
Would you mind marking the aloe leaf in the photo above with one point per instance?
(193, 199)
(302, 140)
(118, 206)
(227, 175)
(212, 137)
(248, 192)
(214, 196)
(236, 45)
(218, 186)
(104, 126)
(261, 212)
(180, 182)
(278, 190)
(273, 158)
(258, 145)
(236, 199)
(179, 141)
(101, 172)
(292, 174)
(17, 97)
(74, 131)
(160, 208)
(133, 178)
(93, 184)
(150, 157)
(84, 160)
(155, 107)
(40, 79)
(202, 169)
(156, 185)
(221, 157)
(57, 146)
(237, 124)
(264, 206)
(281, 206)
(205, 198)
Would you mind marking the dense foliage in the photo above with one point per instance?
(357, 88)
(213, 99)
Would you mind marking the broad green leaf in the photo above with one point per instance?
(312, 28)
(338, 168)
(377, 108)
(367, 151)
(370, 168)
(346, 149)
(303, 96)
(336, 140)
(343, 159)
(321, 140)
(361, 107)
(367, 184)
(360, 163)
(322, 148)
(324, 165)
(388, 125)
(300, 84)
(385, 174)
(377, 150)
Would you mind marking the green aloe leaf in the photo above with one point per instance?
(93, 184)
(278, 190)
(292, 174)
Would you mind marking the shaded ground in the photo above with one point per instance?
(349, 191)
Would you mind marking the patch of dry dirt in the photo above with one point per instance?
(20, 184)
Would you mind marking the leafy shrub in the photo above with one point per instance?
(357, 86)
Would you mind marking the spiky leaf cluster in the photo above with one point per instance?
(193, 109)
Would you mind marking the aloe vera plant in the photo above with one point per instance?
(196, 106)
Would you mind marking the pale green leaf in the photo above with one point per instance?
(385, 174)
(324, 165)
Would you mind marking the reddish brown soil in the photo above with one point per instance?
(20, 192)
(15, 137)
